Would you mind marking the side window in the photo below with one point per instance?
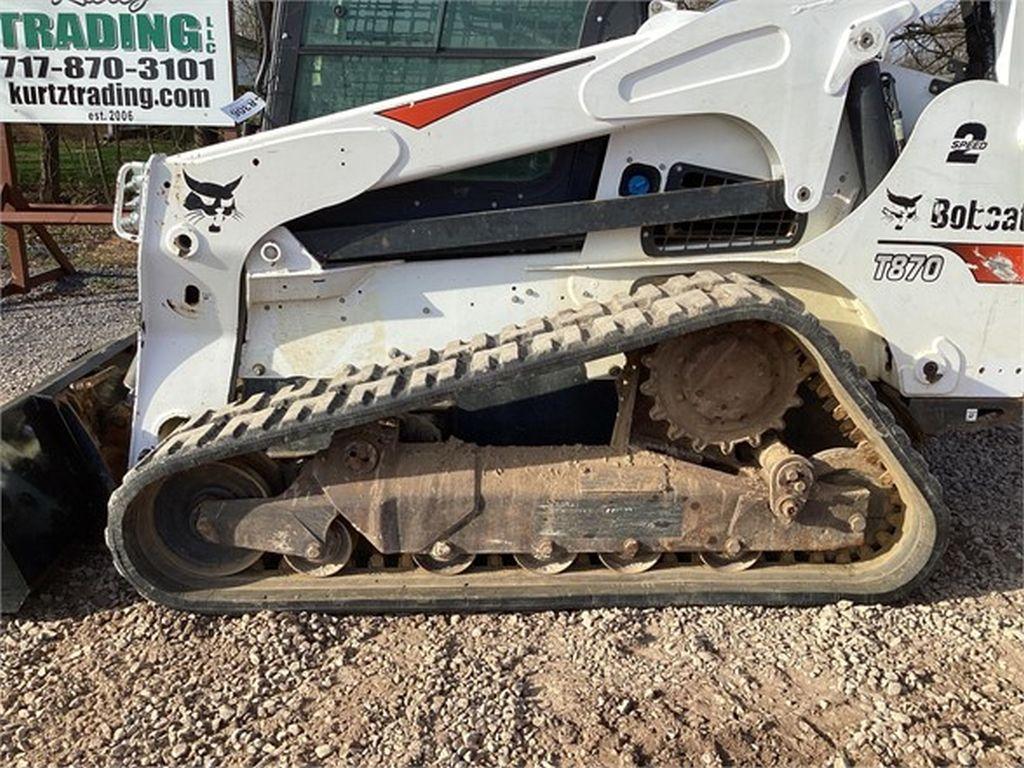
(356, 52)
(521, 25)
(331, 82)
(345, 53)
(372, 23)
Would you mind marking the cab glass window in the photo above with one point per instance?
(356, 52)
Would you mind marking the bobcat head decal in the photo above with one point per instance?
(210, 201)
(900, 209)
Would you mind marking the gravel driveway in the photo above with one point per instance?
(91, 674)
(43, 330)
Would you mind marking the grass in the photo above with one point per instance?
(84, 177)
(82, 181)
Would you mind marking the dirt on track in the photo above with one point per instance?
(91, 674)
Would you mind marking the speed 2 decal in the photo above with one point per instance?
(990, 263)
(967, 144)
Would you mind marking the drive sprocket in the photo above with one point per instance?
(724, 385)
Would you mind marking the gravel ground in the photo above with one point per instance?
(91, 674)
(56, 322)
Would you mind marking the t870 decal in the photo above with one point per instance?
(990, 263)
(908, 267)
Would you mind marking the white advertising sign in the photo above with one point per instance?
(147, 62)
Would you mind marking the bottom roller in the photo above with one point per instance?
(749, 462)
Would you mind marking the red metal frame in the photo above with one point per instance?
(18, 213)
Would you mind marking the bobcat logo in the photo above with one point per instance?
(901, 209)
(208, 200)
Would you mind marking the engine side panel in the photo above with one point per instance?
(936, 253)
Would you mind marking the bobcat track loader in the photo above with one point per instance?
(685, 384)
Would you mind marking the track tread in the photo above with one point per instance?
(357, 396)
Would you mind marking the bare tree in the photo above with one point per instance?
(935, 43)
(247, 19)
(49, 164)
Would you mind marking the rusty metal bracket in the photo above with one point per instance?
(574, 499)
(295, 525)
(626, 386)
(789, 477)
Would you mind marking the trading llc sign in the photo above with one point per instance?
(155, 62)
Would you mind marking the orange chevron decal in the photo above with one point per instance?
(419, 114)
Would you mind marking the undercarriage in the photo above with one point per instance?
(620, 326)
(351, 494)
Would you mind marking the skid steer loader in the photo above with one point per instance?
(682, 379)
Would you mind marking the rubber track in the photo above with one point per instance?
(651, 314)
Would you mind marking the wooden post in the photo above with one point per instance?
(12, 204)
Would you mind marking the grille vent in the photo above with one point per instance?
(756, 231)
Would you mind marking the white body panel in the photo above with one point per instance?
(301, 320)
(972, 330)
